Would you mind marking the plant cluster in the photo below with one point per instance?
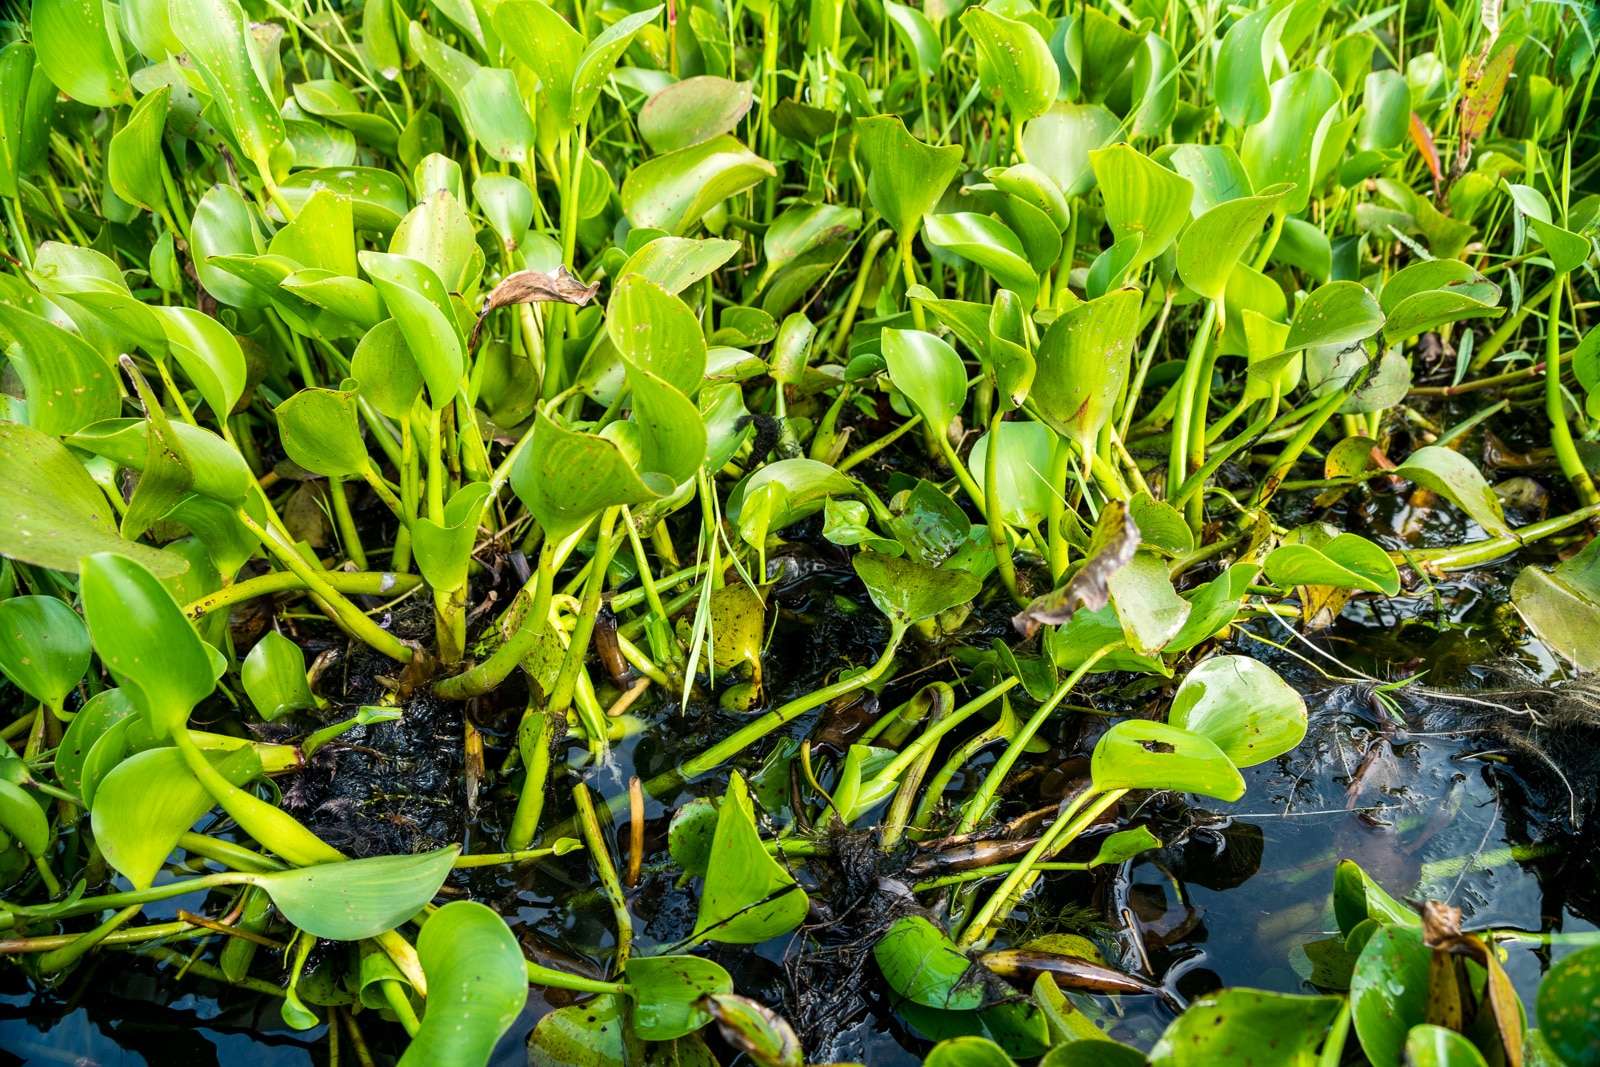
(577, 331)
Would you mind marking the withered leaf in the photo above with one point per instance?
(1115, 539)
(534, 287)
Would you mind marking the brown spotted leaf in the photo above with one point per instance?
(1116, 538)
(535, 287)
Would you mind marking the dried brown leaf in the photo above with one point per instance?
(1116, 538)
(535, 287)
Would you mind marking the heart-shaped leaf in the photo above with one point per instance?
(1243, 706)
(477, 985)
(1140, 754)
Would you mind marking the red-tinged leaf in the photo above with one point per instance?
(1430, 152)
(1483, 85)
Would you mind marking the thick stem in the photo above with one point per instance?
(362, 583)
(589, 824)
(993, 513)
(1056, 509)
(583, 632)
(494, 670)
(1555, 405)
(1188, 385)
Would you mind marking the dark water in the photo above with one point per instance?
(1235, 899)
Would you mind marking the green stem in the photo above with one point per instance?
(583, 632)
(530, 804)
(910, 274)
(361, 583)
(1188, 386)
(1555, 405)
(1315, 421)
(993, 513)
(494, 670)
(1056, 508)
(978, 806)
(349, 616)
(589, 824)
(346, 522)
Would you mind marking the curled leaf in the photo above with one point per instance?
(534, 287)
(1116, 539)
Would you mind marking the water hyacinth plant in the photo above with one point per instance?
(599, 497)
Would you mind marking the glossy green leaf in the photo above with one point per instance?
(1455, 477)
(101, 712)
(274, 677)
(567, 478)
(1334, 314)
(216, 36)
(1019, 60)
(21, 817)
(149, 800)
(1149, 608)
(1283, 146)
(360, 898)
(1244, 60)
(1083, 361)
(657, 332)
(673, 191)
(477, 985)
(1389, 992)
(692, 111)
(444, 550)
(1142, 197)
(922, 965)
(1346, 561)
(918, 36)
(1022, 469)
(1246, 1024)
(420, 304)
(666, 992)
(1357, 898)
(905, 177)
(223, 225)
(145, 641)
(53, 515)
(1563, 605)
(134, 165)
(499, 120)
(675, 263)
(1243, 706)
(928, 372)
(1140, 754)
(68, 385)
(1426, 295)
(747, 897)
(1435, 1046)
(593, 1034)
(1565, 1008)
(208, 354)
(44, 646)
(1213, 244)
(988, 243)
(378, 198)
(1059, 142)
(219, 470)
(907, 591)
(79, 49)
(321, 431)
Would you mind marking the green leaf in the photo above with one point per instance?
(675, 263)
(1018, 60)
(801, 229)
(1568, 251)
(1386, 111)
(1283, 147)
(657, 332)
(1454, 477)
(44, 646)
(220, 472)
(21, 817)
(420, 304)
(537, 35)
(693, 111)
(905, 177)
(145, 641)
(988, 243)
(1243, 61)
(1022, 470)
(672, 436)
(1434, 1046)
(377, 197)
(1083, 361)
(333, 101)
(1334, 314)
(1358, 898)
(1140, 754)
(929, 373)
(223, 225)
(567, 478)
(747, 897)
(666, 991)
(918, 36)
(68, 385)
(1243, 706)
(388, 376)
(274, 677)
(135, 166)
(216, 36)
(1246, 1025)
(444, 550)
(807, 484)
(1389, 992)
(1215, 172)
(671, 192)
(51, 512)
(102, 711)
(208, 354)
(81, 52)
(321, 431)
(1149, 608)
(1059, 142)
(477, 985)
(354, 899)
(1565, 1008)
(968, 1051)
(593, 1034)
(1142, 197)
(1563, 606)
(149, 800)
(598, 59)
(322, 234)
(1346, 561)
(922, 965)
(908, 592)
(498, 117)
(1426, 295)
(1213, 244)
